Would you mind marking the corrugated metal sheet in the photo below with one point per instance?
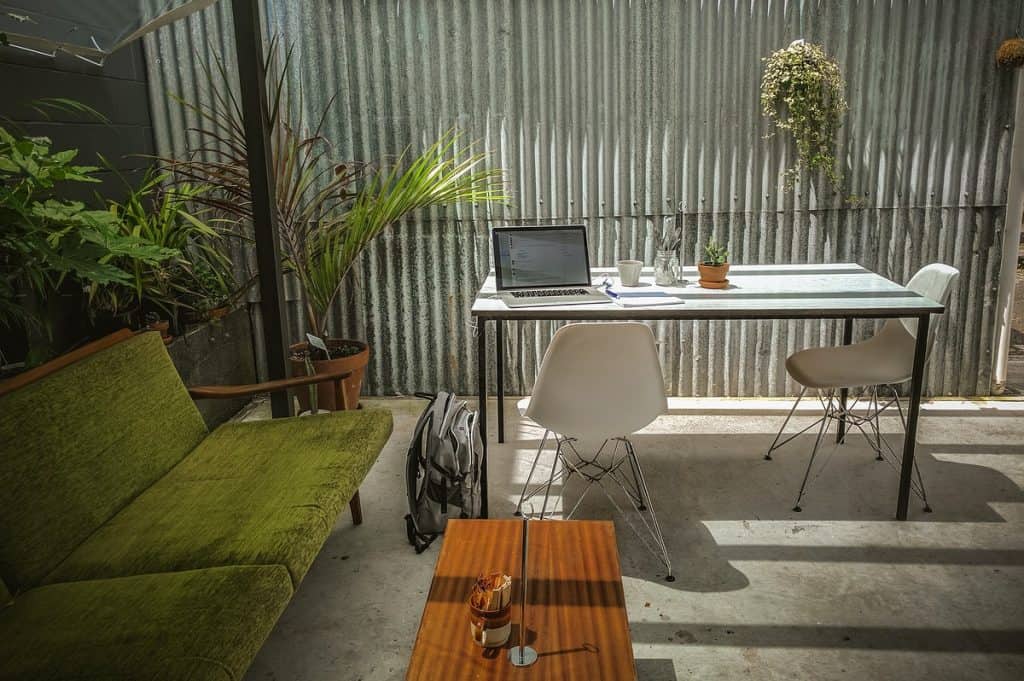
(618, 114)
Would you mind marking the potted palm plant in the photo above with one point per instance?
(328, 212)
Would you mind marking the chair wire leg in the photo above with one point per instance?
(551, 477)
(650, 507)
(814, 452)
(540, 450)
(635, 466)
(775, 442)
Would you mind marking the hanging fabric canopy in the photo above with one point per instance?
(87, 29)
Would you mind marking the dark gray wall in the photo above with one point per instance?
(118, 90)
(218, 353)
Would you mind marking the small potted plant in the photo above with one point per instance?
(715, 266)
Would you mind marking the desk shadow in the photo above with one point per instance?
(695, 479)
(833, 637)
(656, 669)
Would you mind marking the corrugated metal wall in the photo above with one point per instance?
(618, 114)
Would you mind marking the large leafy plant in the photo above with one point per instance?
(328, 212)
(802, 92)
(47, 240)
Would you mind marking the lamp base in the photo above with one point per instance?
(522, 656)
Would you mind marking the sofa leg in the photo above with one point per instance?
(357, 509)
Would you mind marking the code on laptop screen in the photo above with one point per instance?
(534, 258)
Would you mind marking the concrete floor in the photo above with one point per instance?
(840, 591)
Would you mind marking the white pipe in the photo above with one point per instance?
(1011, 246)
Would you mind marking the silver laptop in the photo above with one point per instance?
(543, 266)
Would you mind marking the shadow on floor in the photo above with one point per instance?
(725, 478)
(923, 639)
(655, 669)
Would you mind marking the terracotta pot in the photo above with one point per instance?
(163, 327)
(326, 396)
(218, 312)
(713, 274)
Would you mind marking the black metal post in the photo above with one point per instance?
(499, 375)
(844, 392)
(910, 439)
(481, 368)
(251, 76)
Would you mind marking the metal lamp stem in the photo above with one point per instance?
(523, 655)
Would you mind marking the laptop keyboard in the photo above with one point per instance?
(540, 293)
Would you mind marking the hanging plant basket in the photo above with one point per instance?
(1010, 54)
(803, 92)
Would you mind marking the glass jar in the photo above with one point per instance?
(666, 268)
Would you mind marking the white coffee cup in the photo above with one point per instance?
(629, 272)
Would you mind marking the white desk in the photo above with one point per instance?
(830, 291)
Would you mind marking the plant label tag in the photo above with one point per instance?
(318, 343)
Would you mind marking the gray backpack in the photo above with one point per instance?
(442, 468)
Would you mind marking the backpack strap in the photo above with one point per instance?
(413, 467)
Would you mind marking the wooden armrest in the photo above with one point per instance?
(219, 392)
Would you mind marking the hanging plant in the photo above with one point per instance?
(1010, 54)
(803, 92)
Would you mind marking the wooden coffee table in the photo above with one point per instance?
(575, 611)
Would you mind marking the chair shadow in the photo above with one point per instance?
(725, 478)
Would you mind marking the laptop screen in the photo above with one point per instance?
(535, 257)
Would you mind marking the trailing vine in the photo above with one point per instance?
(802, 91)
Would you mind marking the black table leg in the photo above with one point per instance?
(499, 375)
(910, 439)
(481, 391)
(844, 392)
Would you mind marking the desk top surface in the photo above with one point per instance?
(575, 613)
(755, 292)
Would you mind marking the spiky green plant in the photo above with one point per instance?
(714, 254)
(327, 212)
(174, 218)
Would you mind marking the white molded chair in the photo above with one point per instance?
(885, 359)
(600, 382)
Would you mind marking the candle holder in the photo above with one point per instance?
(523, 655)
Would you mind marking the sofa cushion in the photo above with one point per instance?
(200, 625)
(258, 493)
(78, 445)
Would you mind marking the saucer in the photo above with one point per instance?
(714, 284)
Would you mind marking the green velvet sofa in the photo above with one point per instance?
(134, 544)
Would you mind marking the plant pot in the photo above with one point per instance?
(218, 312)
(327, 398)
(713, 276)
(163, 327)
